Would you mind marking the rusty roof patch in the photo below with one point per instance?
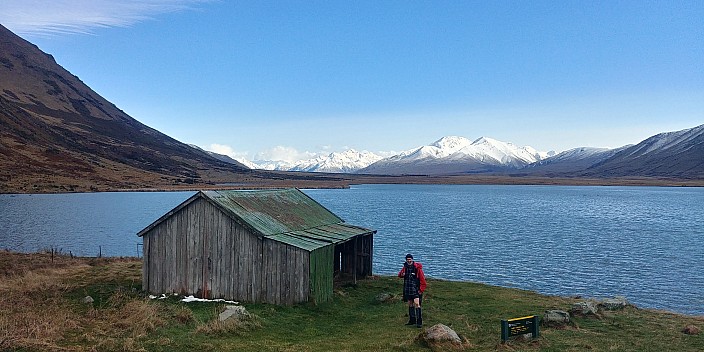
(272, 212)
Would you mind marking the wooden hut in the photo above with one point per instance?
(272, 246)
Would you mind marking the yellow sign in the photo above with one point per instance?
(519, 326)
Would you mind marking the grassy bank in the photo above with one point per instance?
(42, 310)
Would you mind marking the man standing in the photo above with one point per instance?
(413, 287)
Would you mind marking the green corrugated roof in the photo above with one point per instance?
(322, 236)
(272, 212)
(287, 215)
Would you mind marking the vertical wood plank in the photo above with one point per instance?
(146, 261)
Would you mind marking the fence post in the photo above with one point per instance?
(536, 326)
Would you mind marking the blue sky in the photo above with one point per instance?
(287, 79)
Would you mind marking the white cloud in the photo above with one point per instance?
(283, 153)
(47, 17)
(226, 150)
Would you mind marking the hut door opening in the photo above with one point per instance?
(354, 257)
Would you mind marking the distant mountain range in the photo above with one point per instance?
(447, 155)
(348, 161)
(672, 154)
(58, 135)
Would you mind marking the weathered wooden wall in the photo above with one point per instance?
(200, 250)
(285, 273)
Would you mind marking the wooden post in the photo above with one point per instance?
(504, 330)
(536, 326)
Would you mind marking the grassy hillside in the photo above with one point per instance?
(43, 311)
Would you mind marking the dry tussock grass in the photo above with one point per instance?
(39, 315)
(121, 326)
(125, 316)
(236, 326)
(35, 313)
(182, 314)
(17, 264)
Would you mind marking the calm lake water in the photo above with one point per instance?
(644, 243)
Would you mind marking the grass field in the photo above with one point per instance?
(42, 310)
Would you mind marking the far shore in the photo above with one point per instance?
(336, 180)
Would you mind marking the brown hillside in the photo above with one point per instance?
(57, 134)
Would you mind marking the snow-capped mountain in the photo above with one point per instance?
(348, 161)
(272, 165)
(442, 148)
(245, 162)
(670, 154)
(572, 160)
(678, 141)
(453, 154)
(500, 153)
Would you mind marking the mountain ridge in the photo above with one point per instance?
(668, 154)
(459, 155)
(58, 135)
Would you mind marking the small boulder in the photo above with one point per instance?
(234, 312)
(584, 308)
(616, 303)
(88, 300)
(385, 297)
(691, 330)
(440, 333)
(556, 318)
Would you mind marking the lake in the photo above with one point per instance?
(645, 243)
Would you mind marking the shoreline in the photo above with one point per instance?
(61, 255)
(342, 181)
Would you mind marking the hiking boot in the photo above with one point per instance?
(411, 316)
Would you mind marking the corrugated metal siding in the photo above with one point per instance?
(321, 274)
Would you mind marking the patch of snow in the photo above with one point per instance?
(163, 296)
(578, 153)
(664, 141)
(189, 299)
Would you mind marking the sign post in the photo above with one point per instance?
(520, 326)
